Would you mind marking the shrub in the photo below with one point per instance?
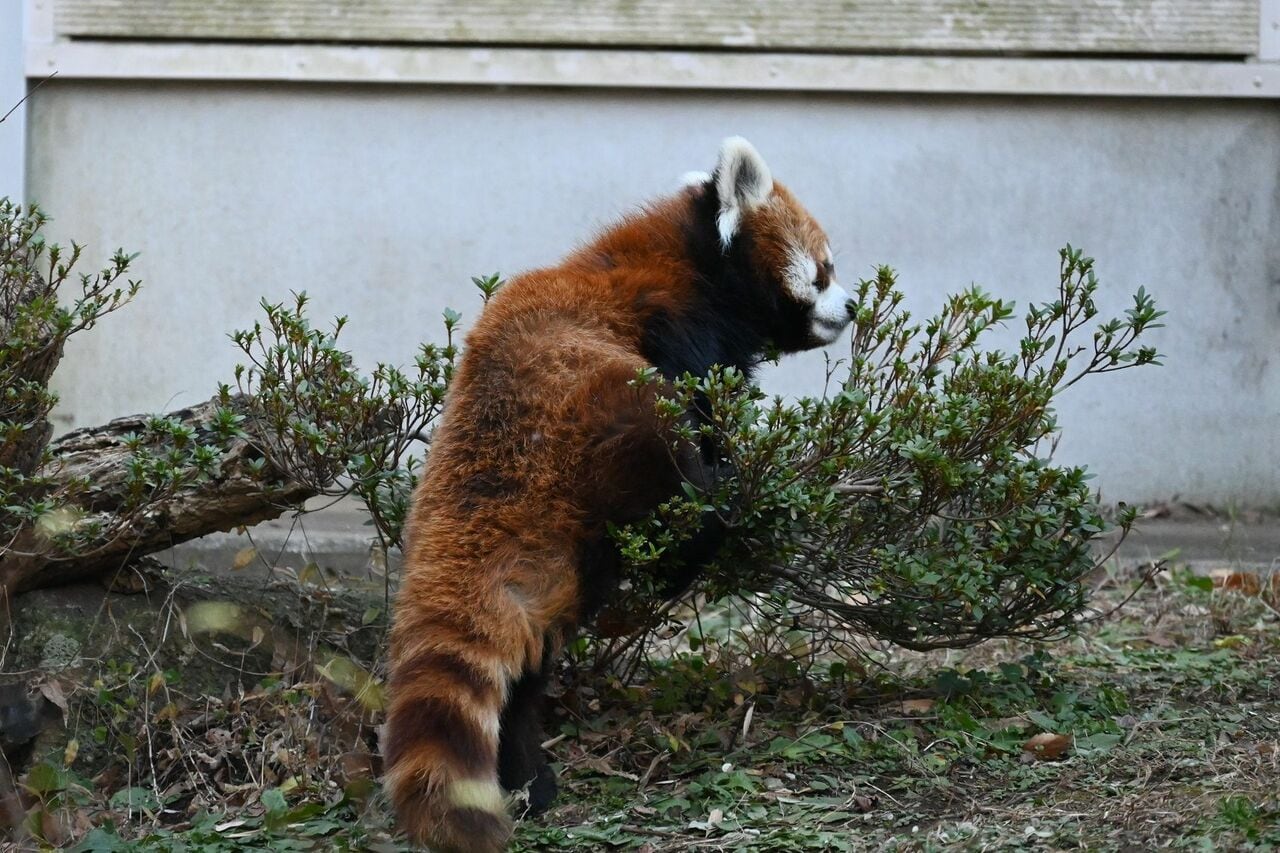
(34, 328)
(327, 425)
(307, 423)
(916, 501)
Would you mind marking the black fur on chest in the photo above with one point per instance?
(724, 319)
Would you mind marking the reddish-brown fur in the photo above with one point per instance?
(545, 438)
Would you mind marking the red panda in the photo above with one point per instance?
(545, 441)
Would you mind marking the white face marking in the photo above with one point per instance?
(830, 314)
(800, 275)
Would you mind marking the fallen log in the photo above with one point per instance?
(90, 468)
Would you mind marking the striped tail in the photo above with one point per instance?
(440, 747)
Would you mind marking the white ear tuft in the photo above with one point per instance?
(743, 182)
(694, 179)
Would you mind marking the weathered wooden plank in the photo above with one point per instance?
(1183, 27)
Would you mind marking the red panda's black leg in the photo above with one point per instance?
(693, 555)
(521, 760)
(599, 573)
(704, 468)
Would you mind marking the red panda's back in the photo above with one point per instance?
(541, 423)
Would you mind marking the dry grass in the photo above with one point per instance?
(250, 723)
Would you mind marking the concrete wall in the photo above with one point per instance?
(382, 202)
(13, 85)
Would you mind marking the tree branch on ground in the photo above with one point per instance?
(304, 422)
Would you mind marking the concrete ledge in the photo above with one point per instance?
(337, 539)
(650, 69)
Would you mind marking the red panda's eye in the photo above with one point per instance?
(825, 274)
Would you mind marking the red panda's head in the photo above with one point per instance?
(779, 254)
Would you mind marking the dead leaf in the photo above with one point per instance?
(52, 691)
(1247, 583)
(52, 829)
(604, 768)
(214, 617)
(80, 822)
(1047, 746)
(862, 804)
(126, 581)
(243, 558)
(311, 573)
(69, 754)
(357, 765)
(1013, 724)
(917, 706)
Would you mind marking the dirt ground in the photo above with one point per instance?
(232, 703)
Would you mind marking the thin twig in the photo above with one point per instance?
(14, 108)
(1156, 568)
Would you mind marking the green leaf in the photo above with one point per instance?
(1199, 582)
(135, 799)
(101, 840)
(1102, 742)
(44, 779)
(273, 801)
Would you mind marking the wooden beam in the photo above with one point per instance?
(646, 69)
(1170, 27)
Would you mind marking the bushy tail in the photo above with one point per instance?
(440, 746)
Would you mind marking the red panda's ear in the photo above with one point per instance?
(694, 179)
(743, 182)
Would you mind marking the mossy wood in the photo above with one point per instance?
(100, 457)
(1170, 27)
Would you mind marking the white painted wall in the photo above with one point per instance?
(383, 201)
(13, 85)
